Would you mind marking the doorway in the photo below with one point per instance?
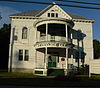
(52, 60)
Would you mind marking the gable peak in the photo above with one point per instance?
(53, 3)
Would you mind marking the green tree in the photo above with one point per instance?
(4, 45)
(96, 46)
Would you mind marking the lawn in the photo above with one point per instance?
(27, 79)
(16, 75)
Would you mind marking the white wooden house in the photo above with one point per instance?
(50, 38)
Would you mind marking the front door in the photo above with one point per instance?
(52, 60)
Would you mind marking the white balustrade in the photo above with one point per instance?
(52, 38)
(52, 42)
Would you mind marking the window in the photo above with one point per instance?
(52, 14)
(56, 14)
(48, 14)
(24, 33)
(23, 55)
(20, 55)
(26, 57)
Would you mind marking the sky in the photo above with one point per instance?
(7, 8)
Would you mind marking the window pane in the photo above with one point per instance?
(48, 14)
(26, 58)
(56, 14)
(24, 33)
(52, 14)
(20, 55)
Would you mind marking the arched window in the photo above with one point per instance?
(24, 33)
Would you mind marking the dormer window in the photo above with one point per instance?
(52, 14)
(56, 14)
(48, 14)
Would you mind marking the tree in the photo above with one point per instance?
(96, 46)
(4, 45)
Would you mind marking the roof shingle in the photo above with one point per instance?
(37, 13)
(28, 13)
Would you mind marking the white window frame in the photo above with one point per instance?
(23, 55)
(24, 33)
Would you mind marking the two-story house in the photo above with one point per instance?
(43, 40)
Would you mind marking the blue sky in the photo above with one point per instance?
(7, 8)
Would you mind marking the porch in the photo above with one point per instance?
(53, 38)
(51, 58)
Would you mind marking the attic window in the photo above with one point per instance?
(56, 14)
(48, 14)
(52, 10)
(52, 14)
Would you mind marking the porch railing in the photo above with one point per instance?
(52, 44)
(52, 38)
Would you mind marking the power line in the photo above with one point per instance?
(77, 6)
(78, 2)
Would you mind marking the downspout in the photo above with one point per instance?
(11, 48)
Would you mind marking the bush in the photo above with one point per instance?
(84, 70)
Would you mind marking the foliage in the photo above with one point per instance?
(84, 70)
(4, 45)
(96, 45)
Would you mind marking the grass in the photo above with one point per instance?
(28, 79)
(16, 75)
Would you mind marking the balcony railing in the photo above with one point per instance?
(53, 41)
(52, 38)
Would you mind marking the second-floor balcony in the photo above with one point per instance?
(54, 41)
(53, 35)
(52, 38)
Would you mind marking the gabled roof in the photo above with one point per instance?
(37, 13)
(74, 16)
(28, 13)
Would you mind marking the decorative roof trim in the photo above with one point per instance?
(74, 17)
(82, 20)
(17, 17)
(45, 9)
(32, 17)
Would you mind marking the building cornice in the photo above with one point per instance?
(32, 17)
(81, 20)
(23, 17)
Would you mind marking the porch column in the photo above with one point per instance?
(66, 33)
(66, 50)
(45, 61)
(35, 58)
(71, 38)
(46, 31)
(78, 62)
(66, 58)
(36, 34)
